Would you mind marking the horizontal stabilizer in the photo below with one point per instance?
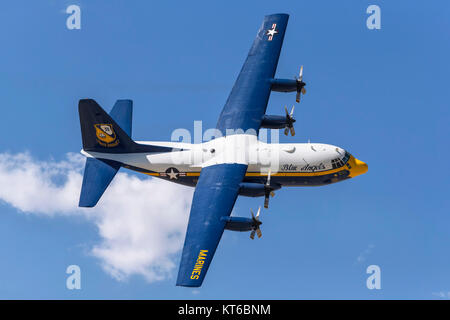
(98, 174)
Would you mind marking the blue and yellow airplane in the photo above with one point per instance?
(234, 163)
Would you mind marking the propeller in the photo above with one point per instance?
(289, 122)
(268, 191)
(300, 85)
(256, 224)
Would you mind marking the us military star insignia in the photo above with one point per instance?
(172, 174)
(272, 32)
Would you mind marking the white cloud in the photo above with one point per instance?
(363, 255)
(141, 222)
(442, 294)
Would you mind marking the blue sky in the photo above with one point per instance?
(381, 94)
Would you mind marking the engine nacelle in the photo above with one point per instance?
(250, 189)
(284, 85)
(239, 223)
(274, 122)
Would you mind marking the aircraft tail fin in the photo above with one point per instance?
(100, 132)
(110, 133)
(106, 133)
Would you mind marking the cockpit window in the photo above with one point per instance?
(337, 163)
(346, 157)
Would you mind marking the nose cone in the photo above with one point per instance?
(357, 167)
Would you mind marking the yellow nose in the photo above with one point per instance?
(357, 167)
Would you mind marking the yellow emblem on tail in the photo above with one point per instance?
(106, 136)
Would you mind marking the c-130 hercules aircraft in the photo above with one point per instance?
(237, 163)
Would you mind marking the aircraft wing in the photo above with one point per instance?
(247, 102)
(218, 184)
(214, 198)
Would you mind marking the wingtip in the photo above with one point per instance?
(183, 281)
(86, 205)
(187, 285)
(278, 15)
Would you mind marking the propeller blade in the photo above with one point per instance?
(300, 85)
(287, 113)
(272, 194)
(292, 131)
(255, 225)
(258, 232)
(292, 111)
(267, 190)
(266, 202)
(286, 131)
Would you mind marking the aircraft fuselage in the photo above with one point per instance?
(290, 164)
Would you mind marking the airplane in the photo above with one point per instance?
(221, 169)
